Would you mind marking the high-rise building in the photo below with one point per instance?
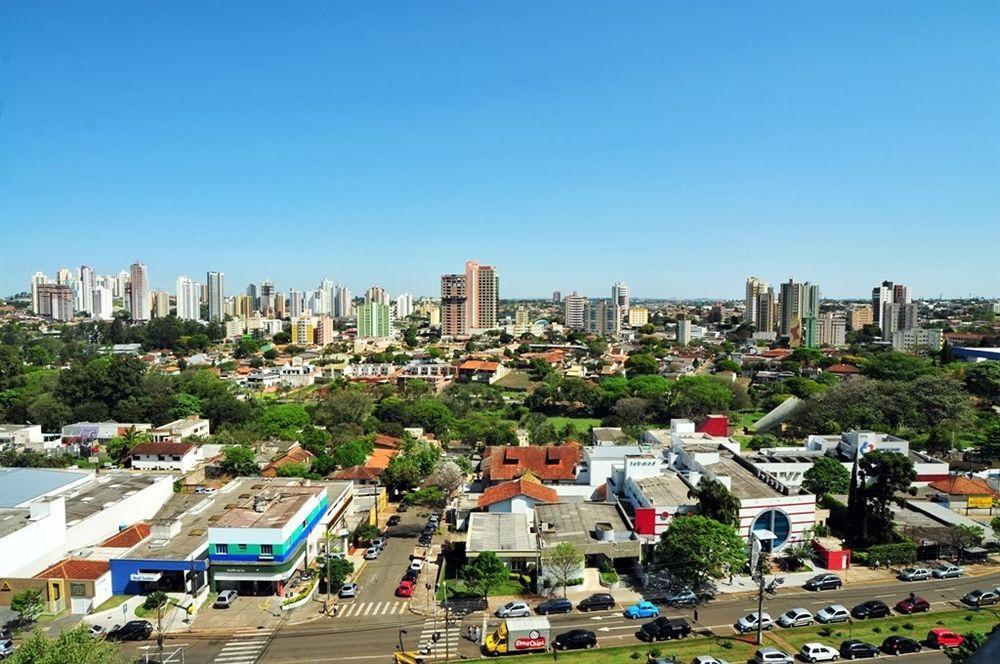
(121, 283)
(295, 305)
(55, 301)
(268, 299)
(325, 296)
(160, 304)
(404, 305)
(103, 303)
(342, 302)
(831, 330)
(280, 310)
(139, 301)
(556, 297)
(754, 288)
(453, 305)
(798, 308)
(303, 330)
(377, 294)
(766, 311)
(64, 276)
(638, 316)
(85, 302)
(683, 331)
(254, 294)
(619, 296)
(890, 319)
(243, 306)
(216, 296)
(323, 334)
(859, 315)
(482, 292)
(187, 299)
(575, 310)
(374, 321)
(603, 318)
(37, 279)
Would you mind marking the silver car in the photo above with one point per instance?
(771, 656)
(948, 572)
(748, 623)
(796, 618)
(914, 574)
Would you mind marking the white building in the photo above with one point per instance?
(13, 436)
(139, 301)
(177, 457)
(404, 305)
(103, 303)
(176, 431)
(917, 338)
(575, 307)
(216, 296)
(188, 299)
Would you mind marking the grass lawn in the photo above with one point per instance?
(875, 631)
(745, 419)
(457, 589)
(113, 602)
(729, 649)
(581, 424)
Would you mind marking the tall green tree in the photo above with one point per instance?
(239, 460)
(72, 645)
(879, 476)
(484, 573)
(27, 604)
(715, 501)
(827, 475)
(694, 548)
(562, 563)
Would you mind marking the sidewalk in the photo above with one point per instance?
(174, 617)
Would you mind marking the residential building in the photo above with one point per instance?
(404, 305)
(268, 298)
(754, 289)
(37, 279)
(87, 283)
(556, 297)
(859, 315)
(139, 300)
(323, 334)
(798, 309)
(342, 302)
(897, 317)
(917, 338)
(303, 331)
(481, 371)
(620, 296)
(638, 316)
(767, 312)
(187, 299)
(374, 321)
(684, 331)
(603, 318)
(177, 457)
(103, 303)
(575, 311)
(216, 296)
(552, 464)
(482, 291)
(517, 497)
(235, 328)
(55, 301)
(160, 304)
(453, 305)
(186, 427)
(280, 308)
(243, 306)
(296, 307)
(377, 294)
(522, 323)
(831, 330)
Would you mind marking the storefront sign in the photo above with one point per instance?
(980, 502)
(150, 577)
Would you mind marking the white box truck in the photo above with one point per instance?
(517, 635)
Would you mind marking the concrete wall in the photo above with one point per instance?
(39, 543)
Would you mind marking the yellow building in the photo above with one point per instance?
(303, 331)
(638, 316)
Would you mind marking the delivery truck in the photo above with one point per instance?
(517, 635)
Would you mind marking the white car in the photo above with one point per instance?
(706, 659)
(748, 623)
(833, 614)
(513, 610)
(771, 656)
(417, 566)
(349, 590)
(798, 617)
(372, 552)
(97, 631)
(6, 648)
(817, 652)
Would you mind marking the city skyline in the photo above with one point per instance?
(677, 143)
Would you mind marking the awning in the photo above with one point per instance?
(764, 535)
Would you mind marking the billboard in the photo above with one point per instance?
(979, 502)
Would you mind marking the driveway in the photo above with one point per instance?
(245, 613)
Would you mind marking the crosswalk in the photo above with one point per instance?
(447, 638)
(244, 647)
(355, 609)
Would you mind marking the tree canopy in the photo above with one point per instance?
(695, 547)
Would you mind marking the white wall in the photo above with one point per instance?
(25, 547)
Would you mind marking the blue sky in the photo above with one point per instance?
(676, 146)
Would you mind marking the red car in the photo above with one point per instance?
(939, 637)
(404, 589)
(912, 604)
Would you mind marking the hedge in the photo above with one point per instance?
(883, 555)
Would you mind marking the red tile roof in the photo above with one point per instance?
(843, 369)
(387, 442)
(294, 455)
(71, 568)
(478, 365)
(964, 486)
(521, 487)
(357, 473)
(128, 538)
(548, 463)
(179, 449)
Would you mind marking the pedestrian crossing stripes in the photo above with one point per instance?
(356, 609)
(446, 642)
(244, 647)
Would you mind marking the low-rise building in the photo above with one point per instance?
(519, 496)
(176, 457)
(176, 431)
(507, 534)
(14, 436)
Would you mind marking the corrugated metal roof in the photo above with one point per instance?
(21, 485)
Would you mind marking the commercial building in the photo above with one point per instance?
(917, 338)
(216, 296)
(507, 534)
(453, 305)
(139, 301)
(374, 321)
(15, 436)
(575, 311)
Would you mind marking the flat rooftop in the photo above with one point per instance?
(19, 486)
(743, 482)
(590, 527)
(667, 489)
(106, 490)
(282, 503)
(500, 532)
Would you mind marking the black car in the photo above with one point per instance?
(823, 582)
(871, 609)
(424, 540)
(393, 520)
(411, 575)
(554, 606)
(574, 639)
(899, 645)
(402, 508)
(133, 630)
(598, 602)
(854, 649)
(664, 628)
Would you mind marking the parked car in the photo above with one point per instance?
(663, 628)
(555, 605)
(940, 637)
(823, 582)
(771, 656)
(381, 542)
(411, 575)
(900, 645)
(818, 652)
(434, 518)
(873, 608)
(575, 639)
(424, 540)
(642, 609)
(796, 618)
(855, 649)
(706, 659)
(404, 589)
(6, 648)
(914, 574)
(681, 598)
(97, 631)
(912, 604)
(393, 520)
(417, 565)
(133, 630)
(834, 613)
(225, 599)
(348, 590)
(597, 602)
(748, 623)
(513, 610)
(980, 598)
(372, 553)
(947, 572)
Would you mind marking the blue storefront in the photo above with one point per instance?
(133, 576)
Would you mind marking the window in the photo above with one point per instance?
(221, 549)
(77, 590)
(266, 549)
(241, 547)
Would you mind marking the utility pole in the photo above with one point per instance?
(760, 600)
(328, 580)
(447, 611)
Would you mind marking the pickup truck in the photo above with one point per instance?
(519, 635)
(663, 628)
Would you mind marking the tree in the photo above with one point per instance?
(995, 526)
(716, 502)
(695, 547)
(983, 380)
(27, 604)
(694, 396)
(246, 347)
(641, 364)
(239, 460)
(347, 405)
(961, 536)
(562, 562)
(760, 441)
(827, 475)
(893, 365)
(484, 573)
(449, 477)
(74, 645)
(340, 569)
(284, 421)
(877, 478)
(973, 641)
(352, 453)
(727, 365)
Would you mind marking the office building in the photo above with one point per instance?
(268, 298)
(159, 304)
(404, 305)
(556, 297)
(482, 291)
(296, 306)
(683, 331)
(303, 331)
(342, 302)
(638, 316)
(55, 301)
(377, 294)
(575, 311)
(187, 299)
(619, 296)
(859, 315)
(139, 301)
(603, 318)
(254, 294)
(103, 303)
(755, 287)
(37, 279)
(453, 304)
(831, 330)
(374, 321)
(798, 309)
(280, 310)
(216, 296)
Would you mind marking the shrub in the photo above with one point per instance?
(908, 626)
(894, 628)
(877, 629)
(635, 655)
(884, 555)
(655, 652)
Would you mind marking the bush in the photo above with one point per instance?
(877, 629)
(883, 555)
(908, 626)
(655, 652)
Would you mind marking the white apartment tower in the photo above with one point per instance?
(575, 311)
(188, 299)
(404, 305)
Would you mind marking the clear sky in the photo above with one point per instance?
(678, 146)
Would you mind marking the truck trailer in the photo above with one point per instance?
(517, 635)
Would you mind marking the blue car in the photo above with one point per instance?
(642, 610)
